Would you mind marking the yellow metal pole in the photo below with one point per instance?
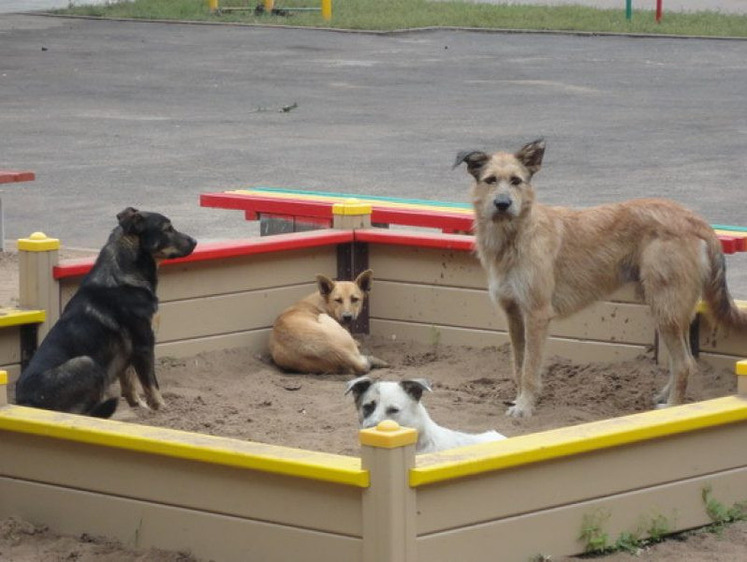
(327, 9)
(213, 5)
(269, 6)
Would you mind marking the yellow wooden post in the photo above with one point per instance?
(3, 388)
(741, 370)
(213, 5)
(351, 214)
(389, 506)
(327, 10)
(37, 256)
(269, 6)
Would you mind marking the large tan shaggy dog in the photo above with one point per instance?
(548, 262)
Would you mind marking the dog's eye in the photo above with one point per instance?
(368, 409)
(491, 180)
(392, 410)
(354, 299)
(338, 300)
(516, 180)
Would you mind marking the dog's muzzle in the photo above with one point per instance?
(502, 203)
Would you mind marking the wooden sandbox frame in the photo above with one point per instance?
(227, 499)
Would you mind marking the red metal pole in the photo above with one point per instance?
(658, 10)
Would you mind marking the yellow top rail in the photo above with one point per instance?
(288, 461)
(557, 443)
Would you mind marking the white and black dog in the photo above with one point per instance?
(400, 401)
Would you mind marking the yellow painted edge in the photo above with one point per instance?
(567, 441)
(731, 233)
(388, 435)
(703, 307)
(38, 242)
(3, 378)
(288, 461)
(372, 202)
(351, 207)
(15, 317)
(741, 367)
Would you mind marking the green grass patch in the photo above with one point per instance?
(387, 15)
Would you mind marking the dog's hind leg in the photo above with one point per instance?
(671, 275)
(143, 361)
(681, 366)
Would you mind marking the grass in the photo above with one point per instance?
(388, 15)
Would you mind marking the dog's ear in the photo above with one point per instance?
(358, 386)
(415, 387)
(364, 280)
(324, 284)
(531, 155)
(130, 220)
(475, 160)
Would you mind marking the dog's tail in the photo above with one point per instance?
(104, 409)
(716, 294)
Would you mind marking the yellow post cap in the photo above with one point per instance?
(388, 435)
(741, 367)
(38, 242)
(351, 207)
(3, 378)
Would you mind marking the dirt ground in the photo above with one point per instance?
(240, 394)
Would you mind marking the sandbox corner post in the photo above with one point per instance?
(741, 372)
(351, 214)
(3, 388)
(38, 289)
(389, 503)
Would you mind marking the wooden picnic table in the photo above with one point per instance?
(10, 176)
(290, 210)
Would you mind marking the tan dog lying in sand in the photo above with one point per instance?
(309, 337)
(549, 262)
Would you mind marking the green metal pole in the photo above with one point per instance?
(628, 10)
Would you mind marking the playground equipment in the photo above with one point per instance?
(268, 7)
(227, 499)
(629, 10)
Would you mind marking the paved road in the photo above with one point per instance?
(111, 114)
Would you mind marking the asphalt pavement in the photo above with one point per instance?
(111, 114)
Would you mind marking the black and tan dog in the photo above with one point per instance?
(105, 330)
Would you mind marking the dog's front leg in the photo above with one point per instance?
(516, 334)
(129, 389)
(536, 327)
(144, 363)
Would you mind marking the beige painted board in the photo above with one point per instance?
(555, 532)
(725, 362)
(255, 340)
(428, 266)
(555, 483)
(225, 313)
(575, 350)
(716, 339)
(469, 308)
(140, 524)
(182, 483)
(247, 273)
(10, 345)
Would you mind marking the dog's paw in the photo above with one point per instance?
(519, 412)
(522, 408)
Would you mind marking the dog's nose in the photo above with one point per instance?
(347, 316)
(502, 202)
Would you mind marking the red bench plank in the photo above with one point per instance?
(11, 176)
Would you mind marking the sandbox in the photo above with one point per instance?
(231, 499)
